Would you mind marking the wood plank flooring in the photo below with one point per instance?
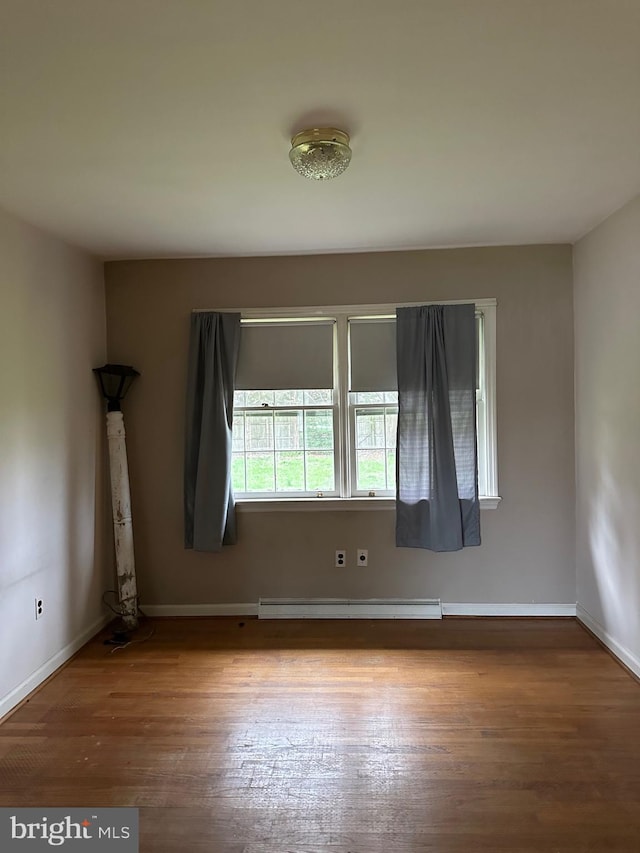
(239, 736)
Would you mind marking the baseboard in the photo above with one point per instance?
(340, 608)
(448, 609)
(623, 654)
(243, 609)
(9, 702)
(472, 609)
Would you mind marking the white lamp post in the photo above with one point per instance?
(115, 380)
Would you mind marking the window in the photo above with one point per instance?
(284, 443)
(373, 422)
(285, 423)
(316, 406)
(373, 404)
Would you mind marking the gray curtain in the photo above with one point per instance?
(209, 510)
(437, 503)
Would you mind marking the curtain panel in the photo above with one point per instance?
(437, 505)
(209, 509)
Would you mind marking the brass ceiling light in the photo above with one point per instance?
(320, 153)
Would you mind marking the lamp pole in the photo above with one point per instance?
(115, 380)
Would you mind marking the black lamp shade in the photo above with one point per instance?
(115, 380)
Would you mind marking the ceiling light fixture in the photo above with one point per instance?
(321, 153)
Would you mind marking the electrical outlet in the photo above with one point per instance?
(341, 559)
(39, 608)
(363, 557)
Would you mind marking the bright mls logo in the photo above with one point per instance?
(104, 830)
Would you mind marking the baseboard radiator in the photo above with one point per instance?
(343, 608)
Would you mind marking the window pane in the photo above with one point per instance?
(370, 428)
(318, 428)
(318, 398)
(237, 433)
(288, 430)
(259, 430)
(260, 473)
(371, 469)
(286, 450)
(237, 472)
(320, 472)
(239, 398)
(259, 398)
(290, 472)
(375, 441)
(288, 398)
(391, 397)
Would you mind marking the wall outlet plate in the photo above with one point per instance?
(39, 606)
(363, 557)
(341, 559)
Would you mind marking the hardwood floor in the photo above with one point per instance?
(509, 735)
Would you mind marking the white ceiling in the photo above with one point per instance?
(142, 128)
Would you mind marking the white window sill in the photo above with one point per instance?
(333, 504)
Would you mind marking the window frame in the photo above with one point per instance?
(341, 314)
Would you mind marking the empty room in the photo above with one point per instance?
(262, 590)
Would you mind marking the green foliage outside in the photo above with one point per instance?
(289, 466)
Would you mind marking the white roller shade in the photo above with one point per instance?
(372, 345)
(285, 355)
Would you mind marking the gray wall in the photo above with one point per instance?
(527, 553)
(607, 359)
(52, 513)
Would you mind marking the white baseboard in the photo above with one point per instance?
(242, 609)
(621, 652)
(471, 609)
(341, 608)
(8, 702)
(448, 609)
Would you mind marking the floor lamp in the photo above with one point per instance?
(115, 380)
